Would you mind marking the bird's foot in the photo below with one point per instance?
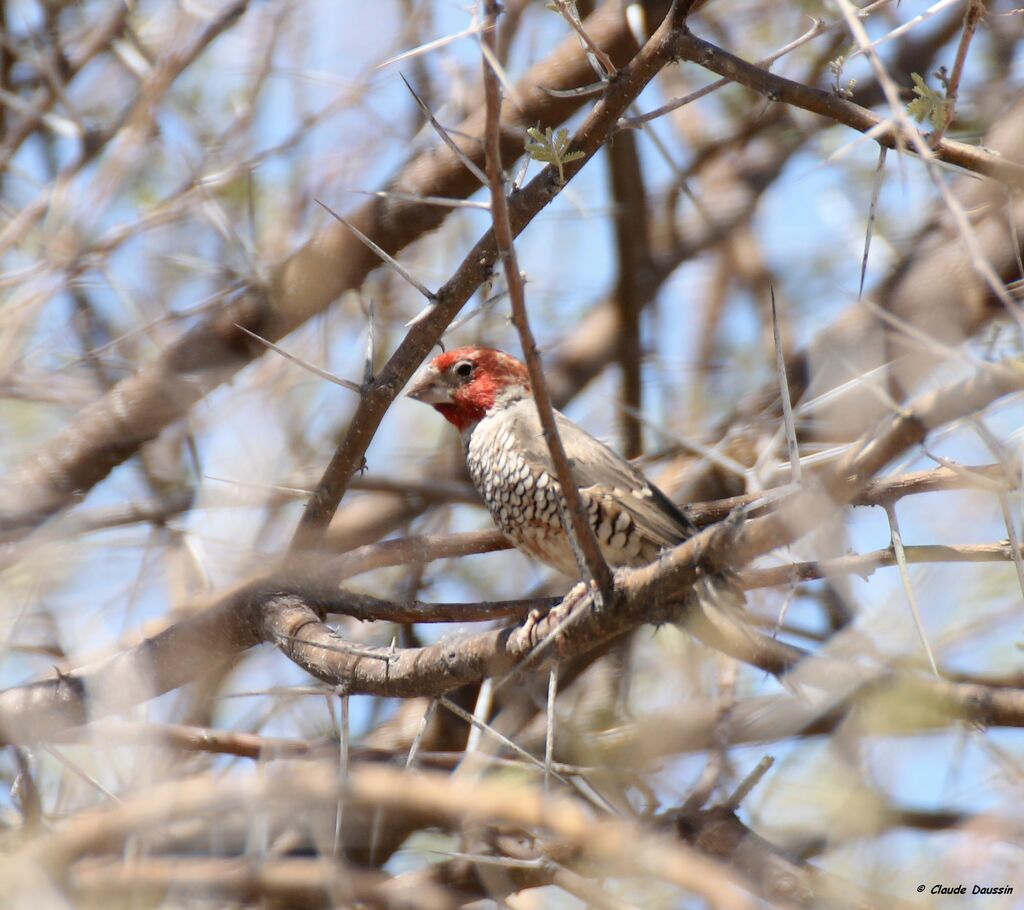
(530, 624)
(577, 594)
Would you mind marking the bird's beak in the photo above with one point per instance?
(428, 388)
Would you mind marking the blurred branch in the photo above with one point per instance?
(438, 799)
(132, 125)
(632, 241)
(95, 43)
(139, 407)
(419, 548)
(864, 564)
(718, 832)
(293, 881)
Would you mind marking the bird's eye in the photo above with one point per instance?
(464, 368)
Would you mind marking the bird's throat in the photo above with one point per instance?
(459, 415)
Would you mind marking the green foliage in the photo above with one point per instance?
(552, 149)
(930, 104)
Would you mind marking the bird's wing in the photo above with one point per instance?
(599, 471)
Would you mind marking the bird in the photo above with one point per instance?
(486, 395)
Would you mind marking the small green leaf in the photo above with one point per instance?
(930, 104)
(552, 149)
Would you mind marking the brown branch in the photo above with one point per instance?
(419, 548)
(191, 738)
(94, 44)
(141, 406)
(620, 846)
(593, 567)
(281, 881)
(268, 611)
(475, 269)
(839, 110)
(875, 493)
(864, 564)
(974, 13)
(632, 242)
(375, 609)
(214, 741)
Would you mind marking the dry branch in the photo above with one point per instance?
(839, 110)
(274, 612)
(138, 408)
(434, 798)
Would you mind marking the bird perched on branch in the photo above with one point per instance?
(486, 395)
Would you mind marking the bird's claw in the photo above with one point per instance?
(577, 594)
(556, 616)
(530, 625)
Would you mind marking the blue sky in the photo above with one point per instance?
(810, 226)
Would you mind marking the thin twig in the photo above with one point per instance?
(549, 735)
(343, 760)
(972, 16)
(592, 564)
(568, 12)
(908, 587)
(371, 342)
(442, 201)
(429, 46)
(421, 731)
(748, 783)
(481, 711)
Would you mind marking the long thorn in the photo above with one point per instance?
(389, 259)
(872, 211)
(305, 364)
(901, 561)
(471, 166)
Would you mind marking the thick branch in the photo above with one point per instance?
(333, 261)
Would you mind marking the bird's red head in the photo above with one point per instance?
(465, 384)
